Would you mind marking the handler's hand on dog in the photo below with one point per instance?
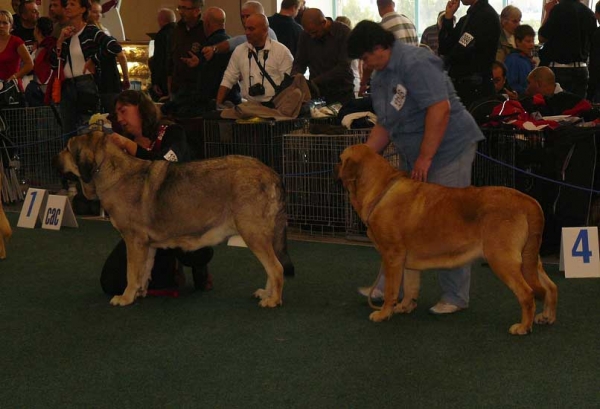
(121, 141)
(421, 169)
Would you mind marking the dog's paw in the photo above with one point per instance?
(379, 316)
(270, 302)
(262, 294)
(519, 329)
(120, 300)
(405, 307)
(544, 319)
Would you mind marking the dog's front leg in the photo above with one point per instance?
(137, 256)
(147, 272)
(411, 286)
(393, 269)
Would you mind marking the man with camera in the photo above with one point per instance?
(259, 64)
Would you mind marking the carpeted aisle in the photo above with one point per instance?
(63, 346)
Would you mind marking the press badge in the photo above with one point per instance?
(466, 39)
(399, 97)
(171, 156)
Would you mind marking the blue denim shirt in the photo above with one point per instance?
(413, 80)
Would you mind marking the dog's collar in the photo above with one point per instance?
(97, 170)
(375, 202)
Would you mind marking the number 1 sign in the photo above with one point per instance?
(30, 212)
(579, 252)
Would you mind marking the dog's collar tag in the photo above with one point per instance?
(399, 97)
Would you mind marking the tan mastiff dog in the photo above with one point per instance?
(160, 204)
(420, 226)
(5, 231)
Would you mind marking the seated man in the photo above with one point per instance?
(544, 95)
(322, 49)
(257, 64)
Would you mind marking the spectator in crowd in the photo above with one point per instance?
(501, 85)
(355, 64)
(323, 50)
(142, 128)
(283, 23)
(301, 9)
(210, 74)
(78, 51)
(162, 53)
(108, 77)
(593, 93)
(419, 112)
(42, 67)
(430, 34)
(248, 8)
(188, 36)
(546, 96)
(56, 11)
(519, 62)
(403, 29)
(469, 48)
(510, 18)
(16, 18)
(15, 60)
(566, 35)
(397, 23)
(29, 14)
(271, 55)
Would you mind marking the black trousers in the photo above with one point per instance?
(113, 278)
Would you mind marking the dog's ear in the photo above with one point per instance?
(83, 154)
(349, 169)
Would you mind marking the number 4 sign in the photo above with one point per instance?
(579, 252)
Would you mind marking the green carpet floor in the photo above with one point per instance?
(63, 346)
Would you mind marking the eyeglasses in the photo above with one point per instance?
(498, 80)
(184, 8)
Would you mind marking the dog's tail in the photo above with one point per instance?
(280, 237)
(530, 254)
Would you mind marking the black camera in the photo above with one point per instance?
(256, 90)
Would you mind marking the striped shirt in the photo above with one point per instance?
(403, 29)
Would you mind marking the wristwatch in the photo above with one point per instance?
(215, 50)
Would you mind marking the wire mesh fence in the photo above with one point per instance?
(32, 137)
(318, 204)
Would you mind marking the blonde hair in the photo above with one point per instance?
(8, 16)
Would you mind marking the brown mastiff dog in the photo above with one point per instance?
(159, 204)
(420, 226)
(5, 231)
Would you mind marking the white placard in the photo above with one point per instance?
(236, 241)
(58, 213)
(579, 252)
(30, 212)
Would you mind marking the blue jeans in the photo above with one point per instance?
(455, 283)
(74, 110)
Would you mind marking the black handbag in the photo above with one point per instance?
(10, 94)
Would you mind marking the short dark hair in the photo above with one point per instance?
(500, 64)
(366, 36)
(288, 4)
(45, 25)
(22, 5)
(523, 31)
(149, 114)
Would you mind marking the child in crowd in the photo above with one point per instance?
(519, 62)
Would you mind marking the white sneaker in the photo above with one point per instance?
(376, 295)
(443, 307)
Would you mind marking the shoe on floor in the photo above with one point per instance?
(443, 307)
(203, 280)
(377, 294)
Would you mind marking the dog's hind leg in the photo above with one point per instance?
(507, 265)
(261, 244)
(548, 315)
(5, 233)
(137, 256)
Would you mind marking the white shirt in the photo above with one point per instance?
(77, 60)
(240, 68)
